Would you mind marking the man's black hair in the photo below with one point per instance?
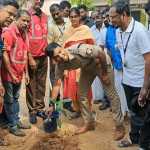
(65, 4)
(82, 6)
(9, 2)
(50, 49)
(122, 6)
(147, 7)
(53, 7)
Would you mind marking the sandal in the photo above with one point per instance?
(124, 143)
(3, 142)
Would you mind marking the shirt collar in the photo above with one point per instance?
(130, 26)
(14, 27)
(95, 28)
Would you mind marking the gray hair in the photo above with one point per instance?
(22, 12)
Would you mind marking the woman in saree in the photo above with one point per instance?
(76, 34)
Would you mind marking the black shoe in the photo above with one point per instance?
(16, 131)
(103, 106)
(97, 101)
(67, 105)
(20, 125)
(32, 118)
(41, 114)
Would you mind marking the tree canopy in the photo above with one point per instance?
(88, 3)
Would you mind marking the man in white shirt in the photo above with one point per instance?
(97, 89)
(133, 42)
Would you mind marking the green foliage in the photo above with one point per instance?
(88, 3)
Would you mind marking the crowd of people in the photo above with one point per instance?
(99, 58)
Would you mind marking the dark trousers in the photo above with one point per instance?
(37, 85)
(11, 103)
(145, 131)
(3, 118)
(137, 114)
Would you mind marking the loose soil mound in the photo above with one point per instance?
(55, 142)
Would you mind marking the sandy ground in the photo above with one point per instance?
(63, 139)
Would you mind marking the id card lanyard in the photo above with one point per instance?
(126, 45)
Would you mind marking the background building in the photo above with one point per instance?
(137, 8)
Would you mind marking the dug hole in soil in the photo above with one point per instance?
(55, 142)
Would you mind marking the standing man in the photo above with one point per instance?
(108, 40)
(56, 29)
(8, 10)
(97, 88)
(14, 65)
(133, 43)
(37, 61)
(57, 26)
(85, 19)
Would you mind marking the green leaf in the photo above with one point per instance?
(88, 3)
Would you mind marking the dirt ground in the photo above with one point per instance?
(63, 139)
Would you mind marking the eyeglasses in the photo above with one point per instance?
(113, 17)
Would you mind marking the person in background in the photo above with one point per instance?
(106, 19)
(56, 30)
(93, 15)
(35, 90)
(135, 54)
(97, 89)
(76, 33)
(65, 6)
(97, 31)
(85, 19)
(147, 10)
(108, 40)
(15, 58)
(145, 131)
(57, 27)
(8, 9)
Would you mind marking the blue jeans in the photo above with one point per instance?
(11, 103)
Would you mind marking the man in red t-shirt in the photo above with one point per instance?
(13, 67)
(37, 62)
(7, 12)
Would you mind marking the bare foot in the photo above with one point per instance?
(84, 129)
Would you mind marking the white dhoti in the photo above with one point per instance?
(97, 90)
(120, 90)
